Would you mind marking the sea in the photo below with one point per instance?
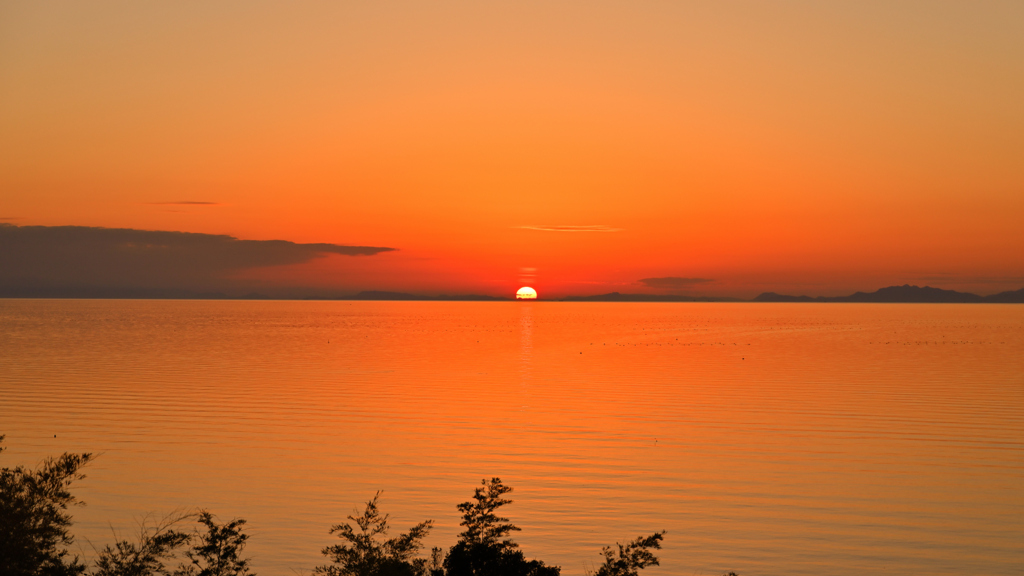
(764, 439)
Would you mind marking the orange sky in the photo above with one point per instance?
(800, 147)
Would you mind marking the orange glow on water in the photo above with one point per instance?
(745, 430)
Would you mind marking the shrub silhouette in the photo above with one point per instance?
(217, 552)
(632, 557)
(367, 553)
(35, 533)
(214, 552)
(35, 526)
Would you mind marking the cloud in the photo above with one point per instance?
(593, 228)
(185, 203)
(673, 282)
(62, 257)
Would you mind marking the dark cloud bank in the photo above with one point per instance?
(79, 261)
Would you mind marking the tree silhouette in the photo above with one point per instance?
(483, 526)
(483, 549)
(34, 520)
(218, 550)
(632, 557)
(368, 553)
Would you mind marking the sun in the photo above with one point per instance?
(526, 293)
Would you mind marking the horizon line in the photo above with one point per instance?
(906, 294)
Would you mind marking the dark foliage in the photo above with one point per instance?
(156, 545)
(214, 551)
(483, 526)
(35, 532)
(217, 551)
(483, 548)
(435, 567)
(478, 560)
(34, 519)
(367, 552)
(632, 556)
(35, 536)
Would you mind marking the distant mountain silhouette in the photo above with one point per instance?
(908, 293)
(1008, 297)
(903, 294)
(617, 297)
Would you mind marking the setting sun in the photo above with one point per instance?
(526, 293)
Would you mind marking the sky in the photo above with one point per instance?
(697, 148)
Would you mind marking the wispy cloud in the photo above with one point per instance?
(185, 203)
(9, 218)
(673, 282)
(591, 228)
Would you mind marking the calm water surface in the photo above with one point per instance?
(765, 438)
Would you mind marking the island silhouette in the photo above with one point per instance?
(905, 294)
